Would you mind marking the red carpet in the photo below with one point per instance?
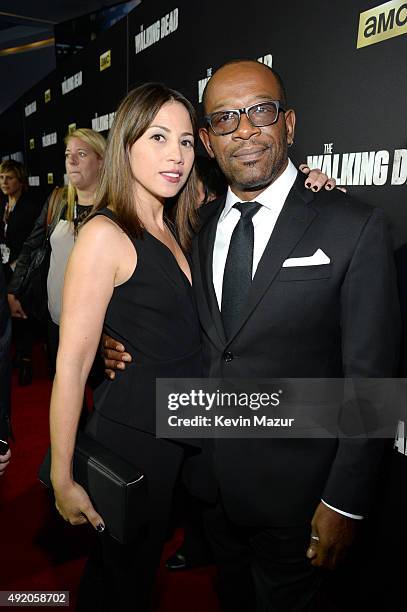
(38, 550)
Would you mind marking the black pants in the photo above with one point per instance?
(23, 329)
(120, 578)
(24, 335)
(262, 569)
(188, 514)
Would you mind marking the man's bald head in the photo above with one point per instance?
(224, 71)
(250, 156)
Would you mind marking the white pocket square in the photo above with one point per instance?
(317, 259)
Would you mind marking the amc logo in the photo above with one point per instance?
(105, 60)
(382, 22)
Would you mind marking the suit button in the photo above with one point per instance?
(227, 356)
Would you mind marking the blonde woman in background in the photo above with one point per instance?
(84, 155)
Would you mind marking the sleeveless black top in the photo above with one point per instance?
(154, 315)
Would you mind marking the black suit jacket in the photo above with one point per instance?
(20, 223)
(325, 321)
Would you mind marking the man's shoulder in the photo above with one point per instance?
(333, 202)
(209, 211)
(338, 205)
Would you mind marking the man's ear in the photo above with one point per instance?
(204, 136)
(290, 126)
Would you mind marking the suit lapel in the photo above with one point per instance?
(202, 257)
(291, 225)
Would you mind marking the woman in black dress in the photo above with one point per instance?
(129, 274)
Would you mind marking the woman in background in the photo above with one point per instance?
(19, 215)
(84, 154)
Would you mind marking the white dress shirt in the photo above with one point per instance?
(272, 201)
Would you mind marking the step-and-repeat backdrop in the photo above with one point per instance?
(344, 68)
(344, 65)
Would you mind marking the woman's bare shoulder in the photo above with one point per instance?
(100, 228)
(100, 239)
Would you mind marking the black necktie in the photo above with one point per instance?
(237, 277)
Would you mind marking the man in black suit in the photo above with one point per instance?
(322, 304)
(289, 284)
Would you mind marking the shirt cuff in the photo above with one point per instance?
(357, 517)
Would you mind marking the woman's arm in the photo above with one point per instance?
(89, 282)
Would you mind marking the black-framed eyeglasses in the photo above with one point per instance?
(260, 114)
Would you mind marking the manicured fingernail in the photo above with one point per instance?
(308, 184)
(100, 527)
(125, 358)
(315, 188)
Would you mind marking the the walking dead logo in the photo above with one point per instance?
(362, 167)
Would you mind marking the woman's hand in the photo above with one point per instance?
(74, 505)
(316, 179)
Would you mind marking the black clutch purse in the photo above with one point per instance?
(117, 489)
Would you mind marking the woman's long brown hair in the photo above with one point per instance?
(134, 115)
